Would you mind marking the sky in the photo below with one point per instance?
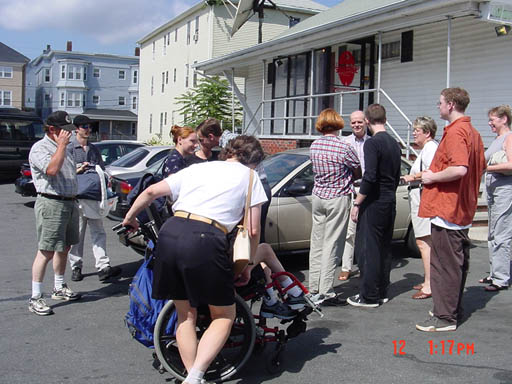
(94, 26)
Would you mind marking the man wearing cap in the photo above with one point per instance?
(56, 209)
(87, 156)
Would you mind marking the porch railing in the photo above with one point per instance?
(310, 117)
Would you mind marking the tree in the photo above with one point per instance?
(211, 98)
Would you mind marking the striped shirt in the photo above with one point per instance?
(333, 163)
(358, 145)
(64, 182)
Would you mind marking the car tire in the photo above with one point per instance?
(410, 243)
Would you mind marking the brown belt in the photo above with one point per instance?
(191, 216)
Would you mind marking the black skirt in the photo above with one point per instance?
(192, 263)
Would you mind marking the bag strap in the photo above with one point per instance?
(248, 199)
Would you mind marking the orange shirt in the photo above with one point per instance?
(455, 201)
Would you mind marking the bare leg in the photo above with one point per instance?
(266, 254)
(215, 336)
(424, 244)
(186, 332)
(40, 262)
(59, 262)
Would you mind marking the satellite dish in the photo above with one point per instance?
(244, 11)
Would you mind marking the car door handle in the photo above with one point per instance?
(405, 197)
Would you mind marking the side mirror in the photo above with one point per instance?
(296, 189)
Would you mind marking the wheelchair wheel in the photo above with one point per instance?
(231, 358)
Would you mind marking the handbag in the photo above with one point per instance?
(499, 157)
(242, 244)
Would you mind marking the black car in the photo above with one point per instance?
(110, 151)
(18, 131)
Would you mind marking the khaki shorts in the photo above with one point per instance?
(56, 224)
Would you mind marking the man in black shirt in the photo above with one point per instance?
(374, 211)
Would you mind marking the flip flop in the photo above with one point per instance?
(420, 295)
(418, 287)
(495, 288)
(485, 280)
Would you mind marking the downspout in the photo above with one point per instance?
(312, 74)
(379, 67)
(233, 103)
(448, 52)
(263, 97)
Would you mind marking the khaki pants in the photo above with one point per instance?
(328, 232)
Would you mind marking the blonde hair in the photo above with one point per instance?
(183, 132)
(426, 124)
(500, 111)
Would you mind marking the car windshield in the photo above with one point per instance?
(281, 164)
(132, 158)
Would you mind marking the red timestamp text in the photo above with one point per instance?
(450, 347)
(441, 347)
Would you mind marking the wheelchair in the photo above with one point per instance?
(250, 333)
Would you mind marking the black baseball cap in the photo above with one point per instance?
(60, 119)
(81, 120)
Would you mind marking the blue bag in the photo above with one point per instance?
(144, 310)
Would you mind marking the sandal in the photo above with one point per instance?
(418, 287)
(420, 295)
(485, 280)
(495, 288)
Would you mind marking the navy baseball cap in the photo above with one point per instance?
(81, 120)
(60, 119)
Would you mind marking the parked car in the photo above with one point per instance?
(288, 226)
(138, 160)
(18, 131)
(122, 184)
(110, 151)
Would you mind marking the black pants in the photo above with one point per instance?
(372, 249)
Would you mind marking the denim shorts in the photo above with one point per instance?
(56, 224)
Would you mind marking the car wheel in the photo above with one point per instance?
(410, 243)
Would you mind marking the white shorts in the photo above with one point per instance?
(421, 225)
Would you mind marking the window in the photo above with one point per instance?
(154, 48)
(150, 123)
(47, 73)
(174, 75)
(168, 38)
(194, 77)
(5, 98)
(134, 102)
(6, 72)
(406, 47)
(165, 118)
(95, 99)
(164, 47)
(74, 99)
(96, 72)
(135, 76)
(62, 99)
(70, 73)
(196, 33)
(161, 122)
(163, 82)
(176, 35)
(47, 99)
(78, 73)
(188, 32)
(152, 84)
(186, 75)
(166, 77)
(121, 100)
(85, 73)
(122, 74)
(63, 72)
(391, 50)
(134, 128)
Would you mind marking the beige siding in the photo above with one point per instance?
(14, 84)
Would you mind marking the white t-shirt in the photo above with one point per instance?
(215, 189)
(426, 155)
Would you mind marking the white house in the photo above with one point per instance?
(400, 53)
(201, 33)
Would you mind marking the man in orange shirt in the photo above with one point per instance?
(449, 199)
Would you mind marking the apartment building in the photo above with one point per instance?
(12, 76)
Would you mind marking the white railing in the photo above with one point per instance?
(310, 118)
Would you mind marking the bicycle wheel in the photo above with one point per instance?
(231, 358)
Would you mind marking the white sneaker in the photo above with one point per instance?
(38, 306)
(65, 293)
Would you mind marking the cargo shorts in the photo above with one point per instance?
(56, 224)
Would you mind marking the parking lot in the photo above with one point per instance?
(87, 342)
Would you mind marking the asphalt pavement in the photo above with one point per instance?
(87, 342)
